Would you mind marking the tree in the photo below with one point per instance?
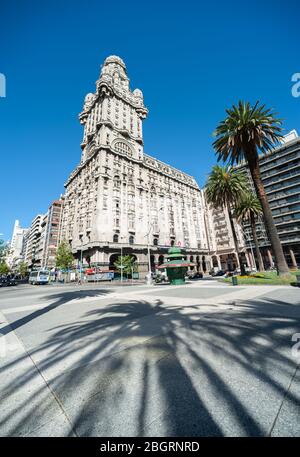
(4, 249)
(246, 131)
(23, 269)
(4, 268)
(64, 256)
(127, 262)
(224, 189)
(248, 209)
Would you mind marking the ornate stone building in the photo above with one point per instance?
(118, 197)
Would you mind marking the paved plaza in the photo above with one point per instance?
(202, 359)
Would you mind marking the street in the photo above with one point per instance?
(202, 359)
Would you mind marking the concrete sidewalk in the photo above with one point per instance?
(183, 361)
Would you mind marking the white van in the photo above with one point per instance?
(39, 277)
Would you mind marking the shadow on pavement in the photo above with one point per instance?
(136, 368)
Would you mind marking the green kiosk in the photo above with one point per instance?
(176, 266)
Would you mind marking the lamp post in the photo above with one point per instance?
(149, 280)
(150, 226)
(121, 266)
(248, 240)
(81, 259)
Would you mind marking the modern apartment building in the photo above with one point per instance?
(51, 233)
(280, 172)
(16, 245)
(222, 249)
(32, 256)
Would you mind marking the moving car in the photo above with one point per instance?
(39, 277)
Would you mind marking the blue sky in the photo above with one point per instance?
(191, 60)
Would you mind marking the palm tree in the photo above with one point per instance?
(244, 133)
(224, 189)
(248, 209)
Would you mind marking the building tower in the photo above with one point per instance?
(118, 196)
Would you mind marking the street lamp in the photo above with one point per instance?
(121, 266)
(149, 256)
(150, 226)
(248, 240)
(81, 259)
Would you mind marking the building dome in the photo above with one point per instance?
(138, 93)
(89, 98)
(115, 59)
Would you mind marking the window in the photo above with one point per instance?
(123, 148)
(116, 238)
(131, 239)
(155, 241)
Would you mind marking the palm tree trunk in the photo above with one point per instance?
(258, 253)
(281, 264)
(235, 241)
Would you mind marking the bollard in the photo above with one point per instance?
(234, 281)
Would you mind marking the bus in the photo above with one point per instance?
(39, 277)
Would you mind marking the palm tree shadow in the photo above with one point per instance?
(124, 372)
(58, 300)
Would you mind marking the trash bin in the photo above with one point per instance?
(234, 281)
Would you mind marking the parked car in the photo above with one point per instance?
(219, 273)
(7, 281)
(195, 275)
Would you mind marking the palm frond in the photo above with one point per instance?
(246, 130)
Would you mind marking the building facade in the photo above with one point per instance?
(16, 245)
(222, 248)
(119, 199)
(32, 253)
(51, 234)
(280, 173)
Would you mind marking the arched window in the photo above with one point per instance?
(131, 239)
(172, 242)
(155, 241)
(123, 148)
(116, 238)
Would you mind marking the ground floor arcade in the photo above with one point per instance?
(105, 257)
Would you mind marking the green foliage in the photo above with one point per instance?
(245, 130)
(248, 206)
(266, 278)
(64, 256)
(23, 268)
(128, 263)
(4, 268)
(3, 250)
(225, 187)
